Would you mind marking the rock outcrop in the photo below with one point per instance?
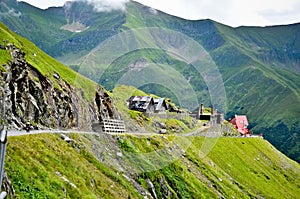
(27, 95)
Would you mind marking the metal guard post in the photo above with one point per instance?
(3, 195)
(3, 140)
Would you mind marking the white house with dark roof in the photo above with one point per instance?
(147, 104)
(141, 103)
(160, 105)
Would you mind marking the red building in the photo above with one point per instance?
(240, 122)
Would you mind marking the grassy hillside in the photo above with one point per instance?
(108, 166)
(45, 64)
(166, 67)
(269, 93)
(39, 165)
(37, 88)
(37, 25)
(259, 70)
(259, 65)
(132, 166)
(137, 122)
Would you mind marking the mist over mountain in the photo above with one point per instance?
(259, 66)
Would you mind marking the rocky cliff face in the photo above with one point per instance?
(27, 95)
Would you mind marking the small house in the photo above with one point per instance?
(241, 123)
(160, 105)
(214, 117)
(141, 103)
(147, 104)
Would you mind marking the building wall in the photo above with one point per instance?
(205, 117)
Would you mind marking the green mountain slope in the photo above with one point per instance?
(45, 64)
(259, 65)
(110, 166)
(123, 165)
(37, 88)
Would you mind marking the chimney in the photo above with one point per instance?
(201, 109)
(212, 109)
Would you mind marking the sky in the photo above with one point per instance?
(230, 12)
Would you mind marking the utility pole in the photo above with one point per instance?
(3, 140)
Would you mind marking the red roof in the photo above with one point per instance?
(241, 123)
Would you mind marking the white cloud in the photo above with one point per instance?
(290, 14)
(233, 12)
(257, 12)
(229, 12)
(100, 5)
(45, 4)
(108, 5)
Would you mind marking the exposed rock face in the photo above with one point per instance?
(27, 95)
